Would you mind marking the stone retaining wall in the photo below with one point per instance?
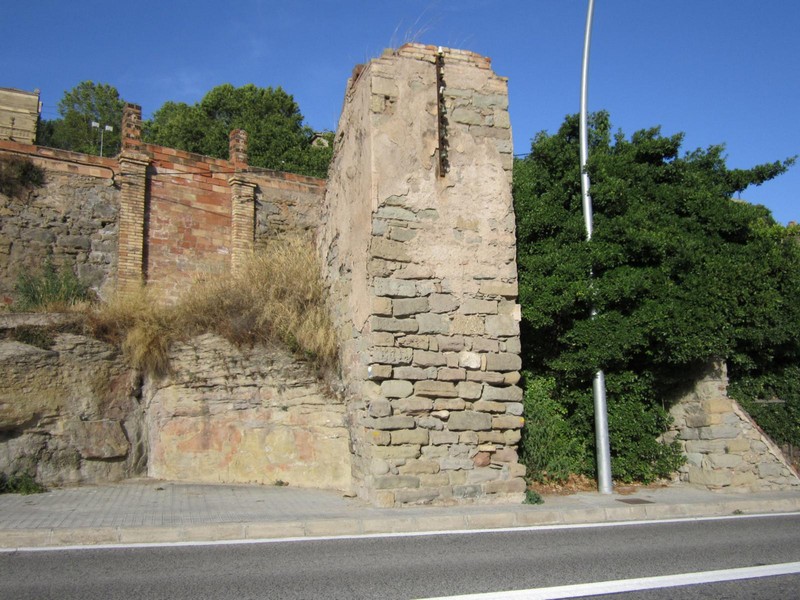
(724, 447)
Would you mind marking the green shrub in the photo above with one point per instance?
(50, 290)
(20, 484)
(17, 174)
(550, 448)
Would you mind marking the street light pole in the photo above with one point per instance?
(599, 384)
(105, 128)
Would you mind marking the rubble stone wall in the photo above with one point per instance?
(724, 447)
(71, 220)
(418, 247)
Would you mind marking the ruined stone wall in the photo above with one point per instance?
(285, 202)
(724, 447)
(418, 247)
(72, 219)
(68, 413)
(231, 415)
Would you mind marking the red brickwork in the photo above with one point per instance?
(189, 218)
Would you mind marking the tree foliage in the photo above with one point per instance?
(85, 103)
(277, 138)
(682, 274)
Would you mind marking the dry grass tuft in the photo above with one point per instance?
(277, 297)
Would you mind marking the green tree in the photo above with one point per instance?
(277, 138)
(678, 279)
(86, 103)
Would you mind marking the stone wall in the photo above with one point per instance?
(724, 447)
(69, 413)
(418, 247)
(231, 415)
(72, 220)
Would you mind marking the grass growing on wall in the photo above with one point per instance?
(277, 297)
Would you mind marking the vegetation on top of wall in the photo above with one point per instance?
(277, 298)
(18, 174)
(681, 274)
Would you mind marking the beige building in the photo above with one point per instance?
(19, 115)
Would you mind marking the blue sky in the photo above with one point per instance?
(722, 71)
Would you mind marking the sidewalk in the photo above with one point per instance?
(150, 511)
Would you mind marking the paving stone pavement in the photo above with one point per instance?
(150, 511)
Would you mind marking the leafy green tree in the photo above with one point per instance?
(84, 104)
(678, 279)
(277, 138)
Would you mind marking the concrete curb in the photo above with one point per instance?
(437, 521)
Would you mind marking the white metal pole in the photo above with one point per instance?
(604, 483)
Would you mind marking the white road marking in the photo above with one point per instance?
(634, 585)
(362, 536)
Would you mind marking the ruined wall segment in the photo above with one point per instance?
(724, 448)
(418, 246)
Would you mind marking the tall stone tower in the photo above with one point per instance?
(419, 251)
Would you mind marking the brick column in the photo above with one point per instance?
(243, 202)
(133, 182)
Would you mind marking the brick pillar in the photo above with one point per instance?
(133, 182)
(238, 149)
(243, 220)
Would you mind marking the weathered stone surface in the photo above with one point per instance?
(433, 323)
(393, 325)
(391, 356)
(505, 394)
(388, 423)
(507, 422)
(412, 406)
(379, 407)
(503, 362)
(397, 388)
(404, 307)
(394, 288)
(469, 420)
(435, 389)
(410, 436)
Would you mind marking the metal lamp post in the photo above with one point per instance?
(599, 385)
(103, 129)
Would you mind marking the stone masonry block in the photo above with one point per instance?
(432, 323)
(507, 422)
(403, 307)
(498, 288)
(467, 325)
(469, 360)
(474, 306)
(435, 389)
(393, 325)
(394, 288)
(451, 374)
(415, 373)
(396, 452)
(419, 342)
(397, 389)
(424, 358)
(469, 420)
(389, 423)
(410, 436)
(501, 326)
(469, 390)
(442, 303)
(391, 356)
(489, 406)
(379, 371)
(503, 362)
(450, 343)
(511, 393)
(413, 405)
(395, 481)
(379, 407)
(389, 250)
(449, 404)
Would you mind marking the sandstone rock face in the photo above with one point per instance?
(418, 246)
(69, 414)
(230, 415)
(724, 447)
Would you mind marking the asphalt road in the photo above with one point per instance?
(420, 566)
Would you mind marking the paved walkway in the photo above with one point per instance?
(151, 511)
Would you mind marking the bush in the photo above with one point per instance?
(550, 448)
(50, 290)
(18, 174)
(20, 484)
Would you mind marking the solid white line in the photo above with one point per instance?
(361, 536)
(634, 585)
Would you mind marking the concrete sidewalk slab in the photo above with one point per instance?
(147, 511)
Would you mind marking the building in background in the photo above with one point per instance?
(19, 115)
